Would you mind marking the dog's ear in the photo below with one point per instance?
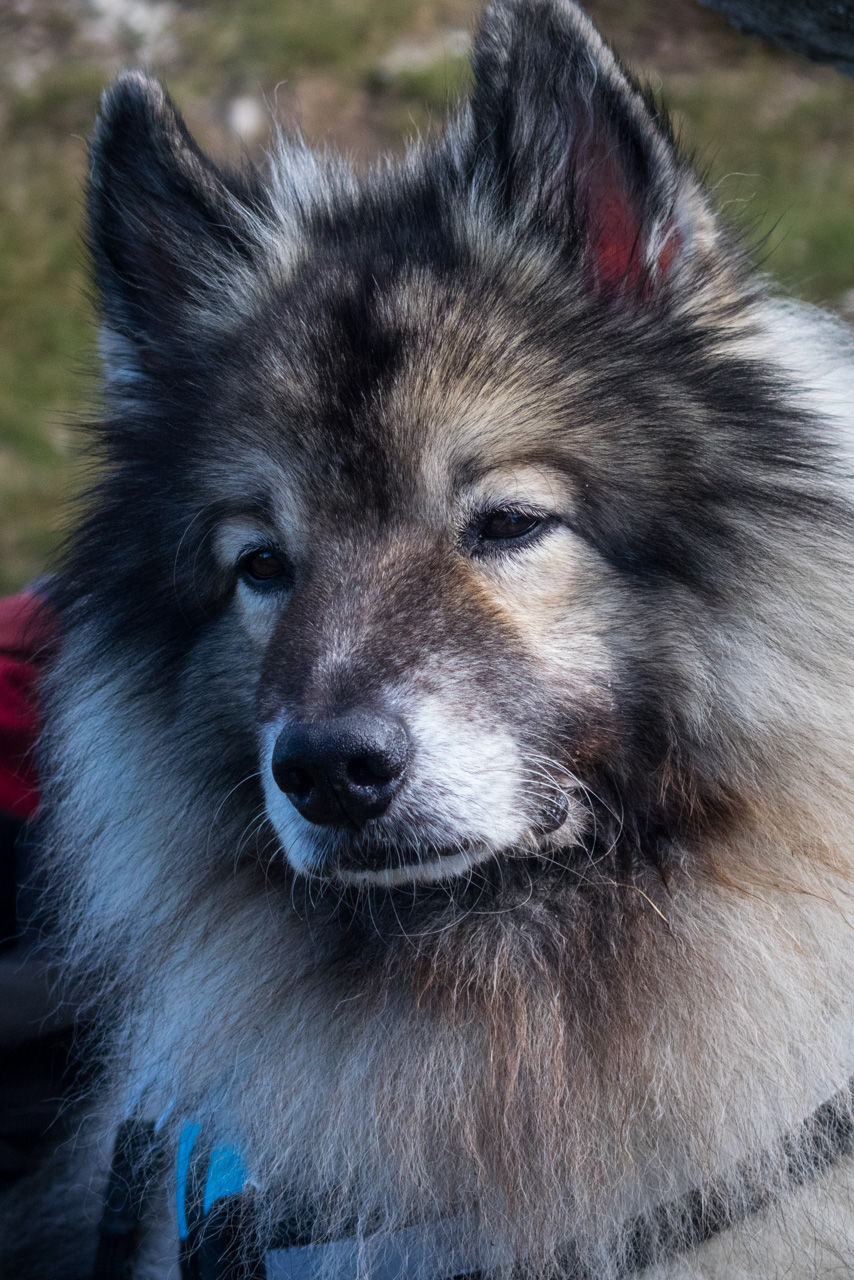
(574, 147)
(165, 224)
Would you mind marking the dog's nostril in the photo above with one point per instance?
(293, 779)
(372, 771)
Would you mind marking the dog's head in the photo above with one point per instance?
(446, 474)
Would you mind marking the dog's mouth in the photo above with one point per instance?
(370, 861)
(420, 866)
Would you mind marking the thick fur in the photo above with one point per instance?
(541, 1034)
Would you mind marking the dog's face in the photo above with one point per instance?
(455, 475)
(443, 652)
(428, 624)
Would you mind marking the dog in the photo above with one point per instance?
(449, 760)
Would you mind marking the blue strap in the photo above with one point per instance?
(403, 1256)
(186, 1143)
(225, 1174)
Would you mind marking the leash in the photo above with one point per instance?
(215, 1216)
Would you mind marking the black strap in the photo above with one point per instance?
(222, 1246)
(820, 1140)
(134, 1173)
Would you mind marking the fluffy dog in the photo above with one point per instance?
(450, 761)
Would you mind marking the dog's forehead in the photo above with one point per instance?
(386, 393)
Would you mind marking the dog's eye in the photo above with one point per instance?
(261, 566)
(504, 524)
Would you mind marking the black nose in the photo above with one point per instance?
(341, 772)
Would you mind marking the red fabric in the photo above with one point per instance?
(25, 635)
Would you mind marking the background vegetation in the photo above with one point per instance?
(776, 133)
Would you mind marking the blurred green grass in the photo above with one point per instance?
(776, 134)
(781, 148)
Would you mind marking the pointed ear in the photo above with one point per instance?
(575, 147)
(165, 224)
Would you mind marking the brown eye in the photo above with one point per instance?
(262, 566)
(500, 525)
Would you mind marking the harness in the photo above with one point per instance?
(214, 1206)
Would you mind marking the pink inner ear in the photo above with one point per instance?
(617, 238)
(616, 244)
